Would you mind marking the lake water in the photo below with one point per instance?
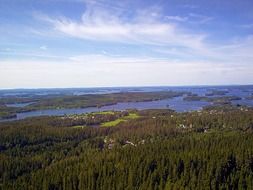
(177, 104)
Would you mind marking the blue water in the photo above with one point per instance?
(200, 90)
(177, 104)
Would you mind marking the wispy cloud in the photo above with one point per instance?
(200, 19)
(43, 47)
(190, 6)
(115, 59)
(3, 50)
(148, 27)
(176, 18)
(31, 55)
(143, 27)
(247, 26)
(159, 49)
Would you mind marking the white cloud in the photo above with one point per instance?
(247, 26)
(200, 19)
(32, 55)
(93, 70)
(239, 50)
(186, 57)
(190, 6)
(177, 18)
(6, 50)
(144, 27)
(148, 27)
(43, 47)
(109, 59)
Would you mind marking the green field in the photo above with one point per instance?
(112, 123)
(132, 116)
(119, 120)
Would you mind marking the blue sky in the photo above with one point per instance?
(86, 43)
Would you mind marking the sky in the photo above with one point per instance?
(103, 43)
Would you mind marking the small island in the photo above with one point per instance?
(217, 93)
(215, 100)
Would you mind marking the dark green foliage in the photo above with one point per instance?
(216, 100)
(206, 150)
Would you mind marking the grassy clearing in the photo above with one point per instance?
(119, 120)
(132, 116)
(112, 123)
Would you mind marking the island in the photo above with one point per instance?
(65, 101)
(215, 100)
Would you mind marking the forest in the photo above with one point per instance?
(148, 149)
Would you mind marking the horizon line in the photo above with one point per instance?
(144, 86)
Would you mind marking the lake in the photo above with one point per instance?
(177, 104)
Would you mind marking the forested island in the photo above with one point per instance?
(217, 93)
(146, 149)
(215, 100)
(62, 101)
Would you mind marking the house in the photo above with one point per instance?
(182, 126)
(130, 143)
